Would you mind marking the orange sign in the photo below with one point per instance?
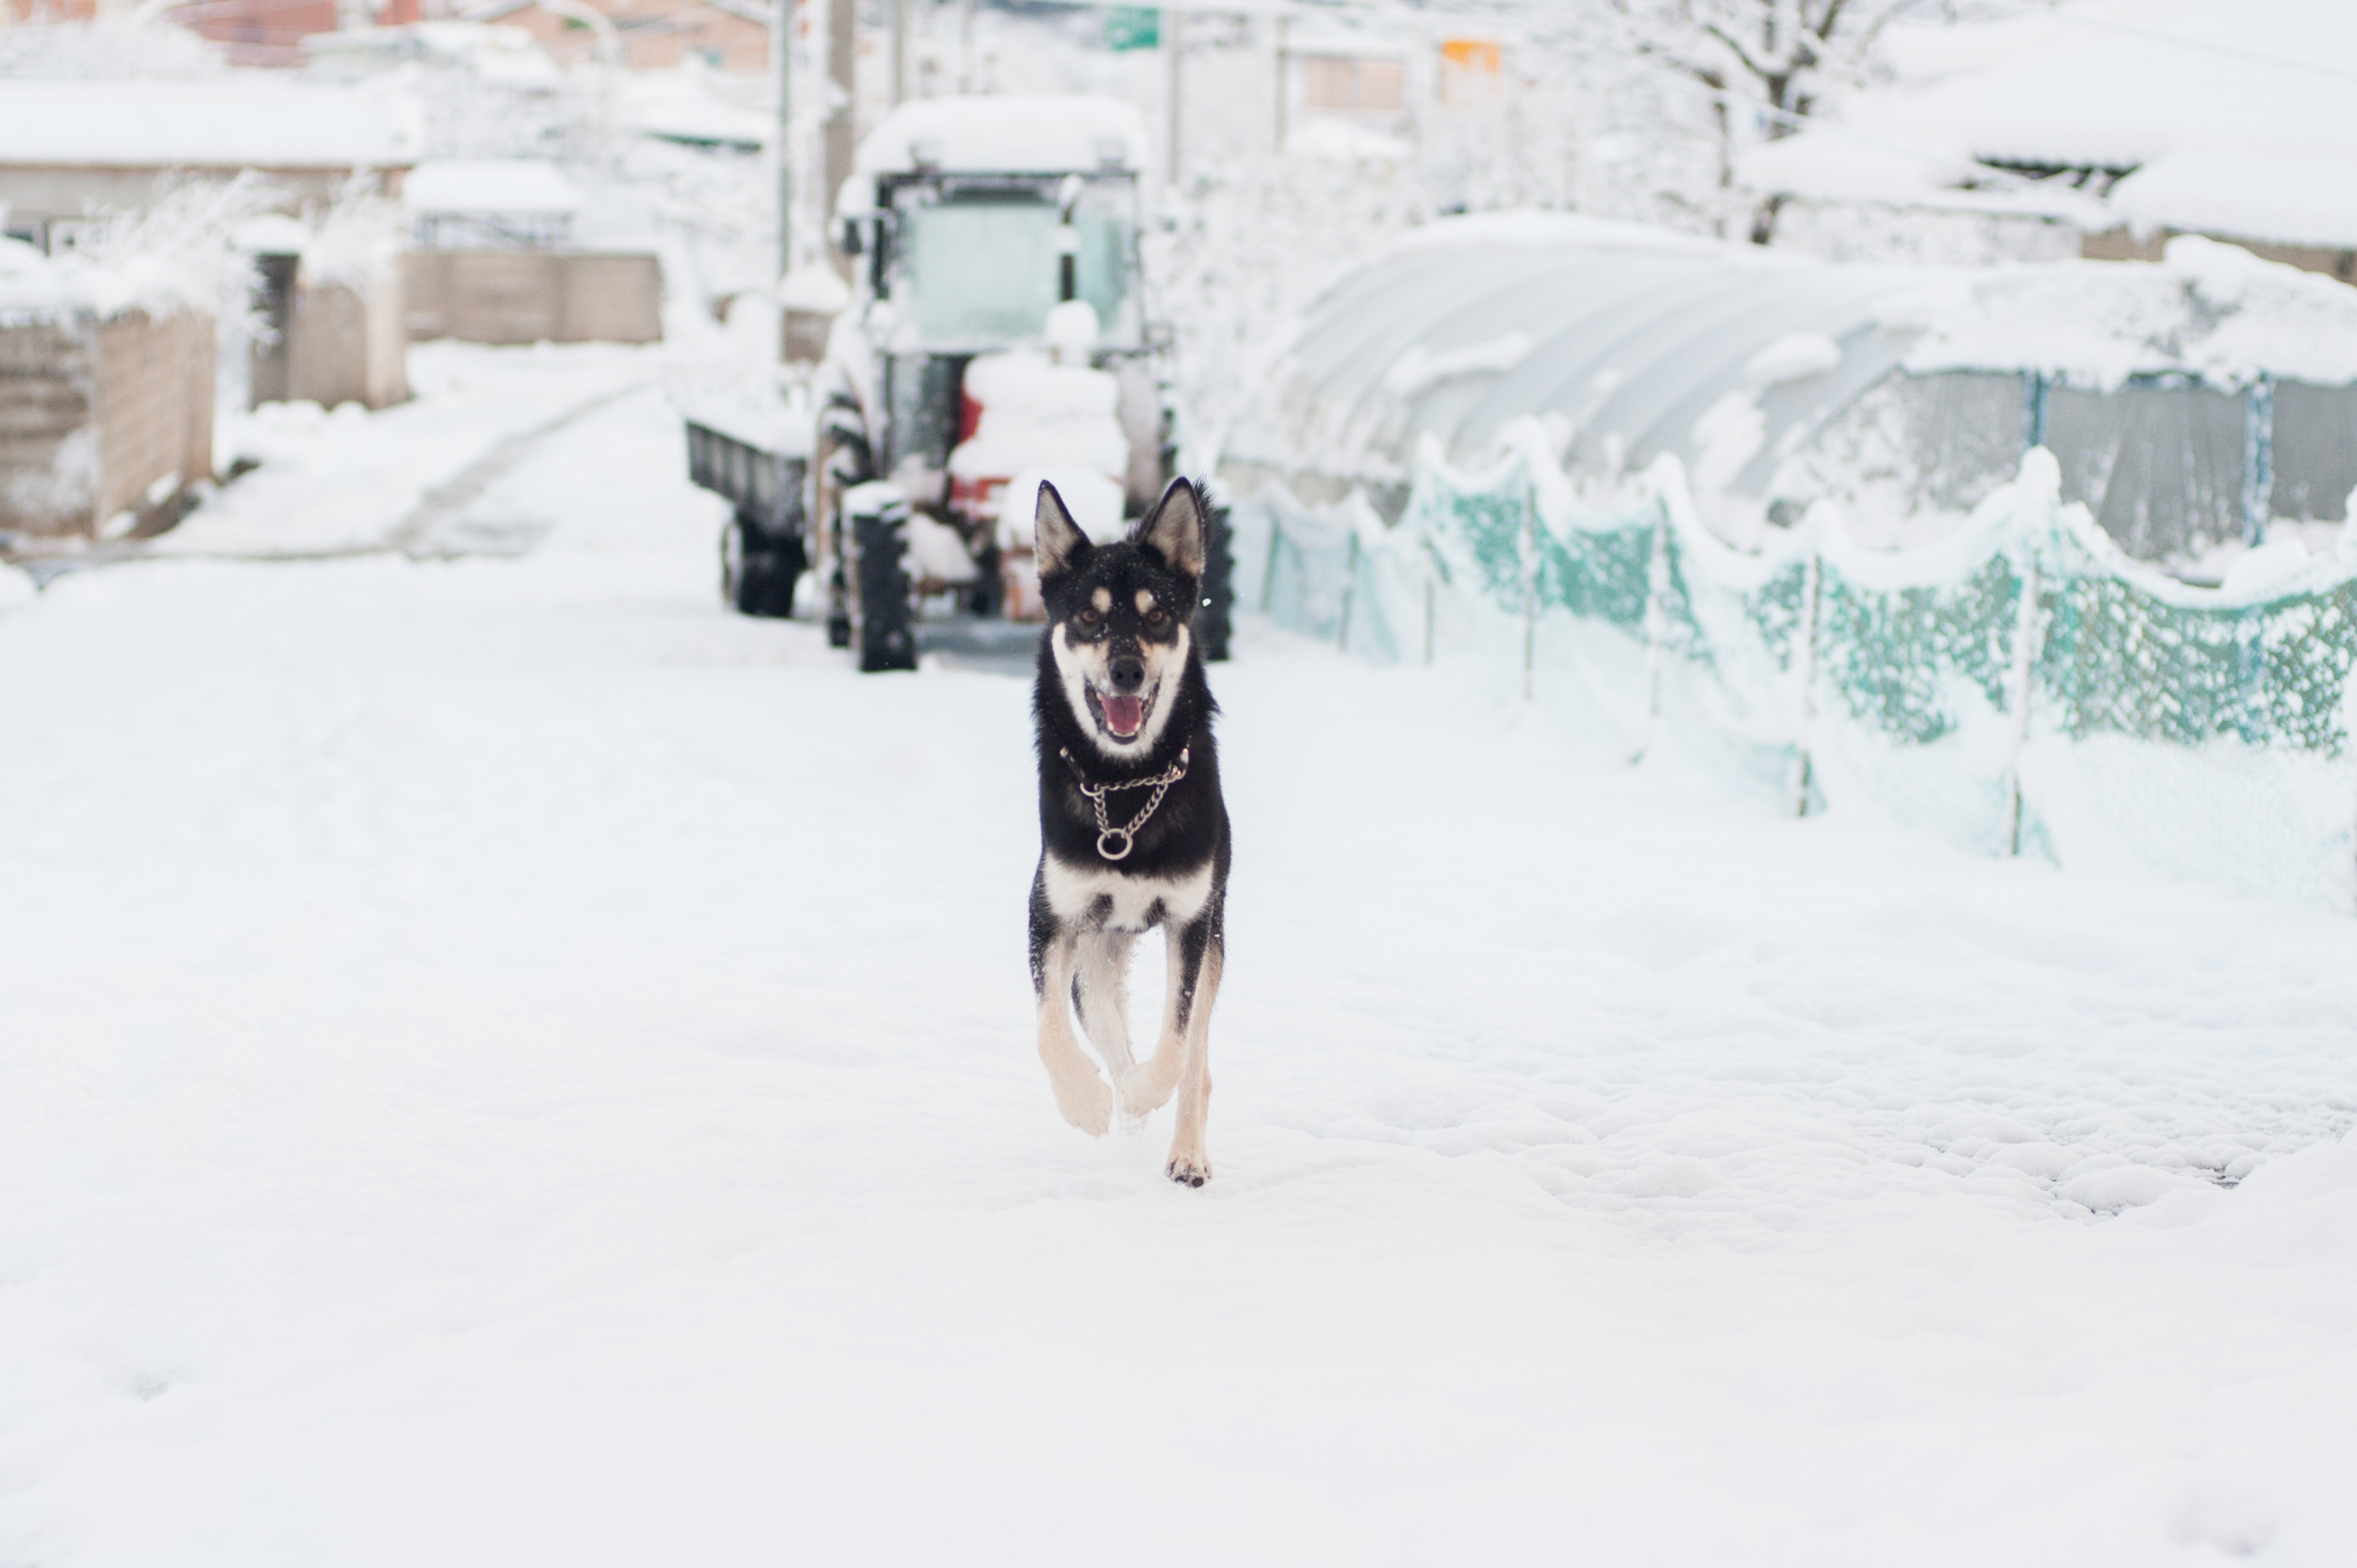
(1473, 54)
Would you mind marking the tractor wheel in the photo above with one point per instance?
(758, 574)
(887, 640)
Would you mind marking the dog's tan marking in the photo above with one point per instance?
(1083, 1097)
(1102, 599)
(1080, 666)
(1146, 600)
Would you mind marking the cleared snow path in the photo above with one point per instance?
(502, 1063)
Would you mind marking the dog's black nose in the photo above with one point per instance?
(1129, 674)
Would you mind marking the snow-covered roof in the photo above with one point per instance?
(246, 118)
(1626, 348)
(1044, 135)
(2233, 118)
(490, 187)
(2206, 309)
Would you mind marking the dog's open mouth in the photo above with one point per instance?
(1121, 718)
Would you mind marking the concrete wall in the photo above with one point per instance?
(102, 418)
(2124, 245)
(349, 342)
(533, 296)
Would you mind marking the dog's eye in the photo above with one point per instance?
(1090, 617)
(1154, 617)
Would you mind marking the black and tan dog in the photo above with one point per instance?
(1133, 833)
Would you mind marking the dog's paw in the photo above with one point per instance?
(1189, 1171)
(1087, 1103)
(1142, 1094)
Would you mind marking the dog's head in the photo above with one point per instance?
(1119, 614)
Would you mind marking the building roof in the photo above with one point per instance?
(240, 120)
(2195, 115)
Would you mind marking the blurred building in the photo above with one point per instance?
(728, 35)
(70, 149)
(2131, 122)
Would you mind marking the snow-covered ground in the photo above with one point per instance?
(501, 1062)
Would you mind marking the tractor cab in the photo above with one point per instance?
(997, 334)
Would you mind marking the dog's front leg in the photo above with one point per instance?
(1082, 1094)
(1190, 1162)
(1145, 1088)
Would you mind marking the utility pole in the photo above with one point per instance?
(899, 52)
(1283, 23)
(842, 138)
(782, 56)
(1176, 41)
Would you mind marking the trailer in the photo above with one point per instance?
(763, 471)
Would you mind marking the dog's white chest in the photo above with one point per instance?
(1109, 899)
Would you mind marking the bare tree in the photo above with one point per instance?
(1764, 62)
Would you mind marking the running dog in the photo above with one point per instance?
(1133, 833)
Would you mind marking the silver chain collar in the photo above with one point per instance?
(1105, 833)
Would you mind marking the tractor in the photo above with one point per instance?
(996, 337)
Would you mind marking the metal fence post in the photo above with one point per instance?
(1803, 765)
(2025, 651)
(1350, 588)
(1530, 591)
(1268, 578)
(2258, 458)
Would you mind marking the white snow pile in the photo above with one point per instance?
(2207, 308)
(1421, 369)
(1033, 135)
(814, 286)
(181, 252)
(490, 187)
(1036, 416)
(2232, 119)
(248, 120)
(1525, 229)
(1794, 356)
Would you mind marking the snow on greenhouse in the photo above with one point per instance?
(2191, 402)
(1664, 477)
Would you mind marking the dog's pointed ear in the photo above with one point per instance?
(1179, 528)
(1057, 542)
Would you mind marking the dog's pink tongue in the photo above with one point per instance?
(1125, 714)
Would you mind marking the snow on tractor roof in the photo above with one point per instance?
(1006, 136)
(250, 119)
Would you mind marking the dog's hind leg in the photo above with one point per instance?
(1190, 1163)
(1081, 1095)
(1101, 990)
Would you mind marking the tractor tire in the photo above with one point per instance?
(887, 639)
(758, 574)
(1214, 616)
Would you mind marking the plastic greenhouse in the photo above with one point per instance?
(1658, 486)
(2190, 403)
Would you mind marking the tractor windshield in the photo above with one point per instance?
(977, 267)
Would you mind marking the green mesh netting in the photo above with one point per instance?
(2207, 733)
